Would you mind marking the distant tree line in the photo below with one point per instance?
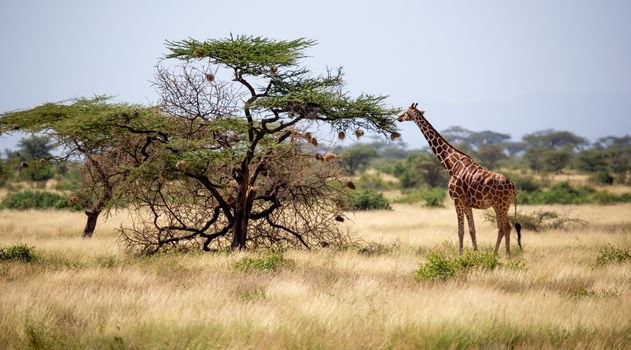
(608, 159)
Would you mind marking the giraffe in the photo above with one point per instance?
(470, 184)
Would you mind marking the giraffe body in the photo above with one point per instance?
(471, 186)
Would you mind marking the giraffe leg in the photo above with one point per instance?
(500, 230)
(507, 235)
(469, 213)
(460, 209)
(504, 226)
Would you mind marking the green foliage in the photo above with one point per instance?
(551, 139)
(373, 182)
(602, 177)
(5, 172)
(35, 147)
(591, 160)
(368, 200)
(292, 89)
(37, 171)
(490, 155)
(525, 183)
(357, 157)
(23, 200)
(254, 55)
(70, 182)
(17, 252)
(421, 168)
(613, 255)
(267, 263)
(433, 197)
(548, 159)
(564, 193)
(439, 266)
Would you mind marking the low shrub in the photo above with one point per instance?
(17, 252)
(611, 254)
(252, 295)
(367, 200)
(433, 197)
(526, 183)
(268, 263)
(582, 292)
(440, 266)
(23, 200)
(540, 220)
(376, 248)
(602, 178)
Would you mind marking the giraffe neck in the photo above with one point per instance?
(449, 156)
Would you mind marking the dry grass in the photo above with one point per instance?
(88, 294)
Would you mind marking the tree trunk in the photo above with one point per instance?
(90, 225)
(245, 200)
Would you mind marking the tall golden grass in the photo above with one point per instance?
(89, 294)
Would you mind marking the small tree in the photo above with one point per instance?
(35, 147)
(357, 157)
(108, 139)
(491, 155)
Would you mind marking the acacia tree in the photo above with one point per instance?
(108, 139)
(248, 175)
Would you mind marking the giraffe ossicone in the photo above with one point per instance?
(471, 186)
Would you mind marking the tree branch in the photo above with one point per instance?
(296, 234)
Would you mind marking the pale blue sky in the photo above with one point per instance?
(510, 66)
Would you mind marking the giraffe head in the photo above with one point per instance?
(411, 112)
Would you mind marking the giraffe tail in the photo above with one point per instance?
(517, 226)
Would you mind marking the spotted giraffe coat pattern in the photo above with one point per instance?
(470, 184)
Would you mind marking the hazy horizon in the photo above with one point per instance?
(509, 67)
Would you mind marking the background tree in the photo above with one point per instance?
(421, 168)
(32, 158)
(490, 155)
(552, 139)
(221, 173)
(35, 147)
(108, 139)
(550, 150)
(357, 157)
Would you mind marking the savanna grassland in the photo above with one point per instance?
(88, 293)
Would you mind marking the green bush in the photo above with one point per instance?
(525, 183)
(268, 263)
(373, 182)
(441, 267)
(17, 252)
(602, 177)
(437, 267)
(433, 198)
(37, 171)
(611, 254)
(22, 200)
(368, 200)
